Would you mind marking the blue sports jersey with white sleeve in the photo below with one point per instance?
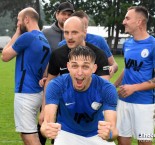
(79, 112)
(139, 67)
(33, 53)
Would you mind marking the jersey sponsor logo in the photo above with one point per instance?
(83, 117)
(86, 117)
(96, 105)
(61, 68)
(131, 63)
(144, 53)
(67, 104)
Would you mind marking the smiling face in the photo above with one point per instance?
(133, 21)
(81, 69)
(62, 16)
(130, 22)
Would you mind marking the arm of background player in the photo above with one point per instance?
(113, 65)
(118, 82)
(41, 116)
(127, 90)
(43, 80)
(8, 52)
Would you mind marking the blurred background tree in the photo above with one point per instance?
(107, 13)
(9, 11)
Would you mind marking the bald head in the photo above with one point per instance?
(74, 32)
(30, 12)
(28, 20)
(76, 21)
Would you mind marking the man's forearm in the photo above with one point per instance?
(115, 67)
(145, 85)
(118, 82)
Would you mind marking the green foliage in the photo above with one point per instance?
(104, 12)
(108, 13)
(12, 7)
(49, 10)
(150, 5)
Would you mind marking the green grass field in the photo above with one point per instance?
(8, 136)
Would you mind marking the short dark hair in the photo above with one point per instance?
(142, 10)
(81, 14)
(83, 51)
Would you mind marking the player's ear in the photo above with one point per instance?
(56, 15)
(94, 68)
(68, 66)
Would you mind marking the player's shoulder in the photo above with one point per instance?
(152, 39)
(27, 34)
(62, 81)
(93, 38)
(99, 52)
(32, 34)
(99, 80)
(61, 43)
(93, 47)
(101, 84)
(89, 35)
(26, 37)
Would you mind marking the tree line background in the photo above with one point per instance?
(107, 13)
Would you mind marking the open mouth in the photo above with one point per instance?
(79, 81)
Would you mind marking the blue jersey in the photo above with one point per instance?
(79, 112)
(33, 53)
(139, 66)
(96, 40)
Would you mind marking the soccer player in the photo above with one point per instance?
(79, 99)
(32, 52)
(54, 35)
(136, 100)
(96, 40)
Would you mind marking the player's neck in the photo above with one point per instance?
(33, 27)
(141, 36)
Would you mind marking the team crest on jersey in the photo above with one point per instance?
(96, 105)
(144, 53)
